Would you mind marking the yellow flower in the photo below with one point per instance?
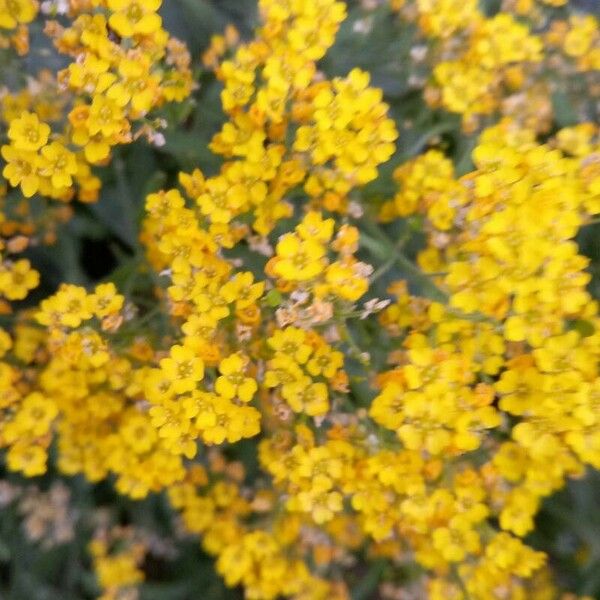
(138, 433)
(58, 164)
(220, 201)
(517, 515)
(282, 369)
(232, 423)
(455, 544)
(22, 169)
(345, 280)
(13, 12)
(242, 290)
(27, 458)
(35, 415)
(68, 308)
(28, 133)
(137, 85)
(322, 506)
(233, 383)
(291, 342)
(134, 17)
(306, 396)
(314, 227)
(183, 368)
(158, 386)
(105, 300)
(510, 554)
(105, 117)
(299, 260)
(17, 279)
(325, 362)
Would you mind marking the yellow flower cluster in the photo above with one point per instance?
(482, 65)
(117, 558)
(34, 162)
(340, 129)
(520, 328)
(299, 357)
(301, 262)
(124, 65)
(113, 81)
(494, 51)
(17, 13)
(264, 561)
(428, 435)
(15, 17)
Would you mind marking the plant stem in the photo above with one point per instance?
(349, 339)
(386, 266)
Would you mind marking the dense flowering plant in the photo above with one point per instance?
(347, 341)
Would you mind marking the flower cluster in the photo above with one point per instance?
(272, 93)
(124, 66)
(117, 556)
(482, 65)
(112, 82)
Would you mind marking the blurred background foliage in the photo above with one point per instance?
(100, 242)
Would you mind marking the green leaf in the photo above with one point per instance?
(274, 298)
